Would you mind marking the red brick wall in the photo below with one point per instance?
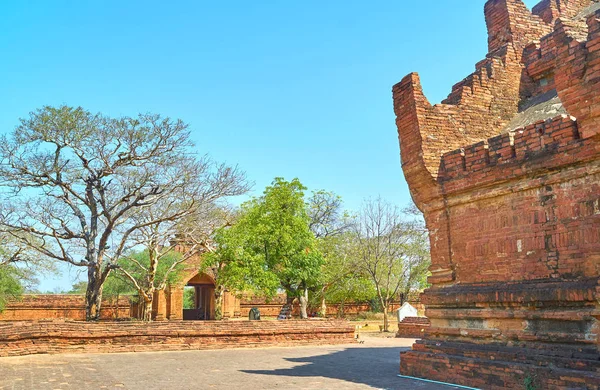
(35, 337)
(413, 327)
(35, 307)
(513, 211)
(272, 307)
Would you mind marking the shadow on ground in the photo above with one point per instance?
(375, 367)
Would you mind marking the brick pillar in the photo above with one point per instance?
(175, 300)
(159, 307)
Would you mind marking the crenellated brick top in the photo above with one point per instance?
(538, 140)
(543, 67)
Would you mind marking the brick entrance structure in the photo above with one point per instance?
(168, 304)
(507, 173)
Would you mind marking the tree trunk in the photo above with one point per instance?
(218, 303)
(287, 308)
(341, 308)
(385, 318)
(147, 309)
(148, 297)
(93, 295)
(304, 304)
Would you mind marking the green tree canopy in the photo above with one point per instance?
(10, 284)
(271, 246)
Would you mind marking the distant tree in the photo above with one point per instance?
(18, 269)
(330, 224)
(391, 250)
(341, 279)
(10, 284)
(115, 287)
(78, 288)
(74, 181)
(290, 247)
(188, 298)
(327, 215)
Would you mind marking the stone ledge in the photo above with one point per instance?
(500, 366)
(40, 337)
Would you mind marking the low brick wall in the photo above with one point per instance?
(272, 309)
(60, 306)
(40, 337)
(413, 327)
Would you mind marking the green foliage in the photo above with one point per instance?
(114, 286)
(284, 235)
(340, 279)
(117, 285)
(530, 383)
(137, 265)
(78, 288)
(188, 298)
(10, 284)
(271, 246)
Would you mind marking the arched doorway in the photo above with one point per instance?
(201, 305)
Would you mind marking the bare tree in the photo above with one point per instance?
(73, 181)
(327, 215)
(391, 250)
(169, 243)
(329, 223)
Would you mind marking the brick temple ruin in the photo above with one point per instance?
(507, 173)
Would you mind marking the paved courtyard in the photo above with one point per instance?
(372, 365)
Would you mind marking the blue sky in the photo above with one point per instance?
(282, 88)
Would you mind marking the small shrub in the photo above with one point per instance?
(529, 383)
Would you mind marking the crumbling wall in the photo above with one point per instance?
(52, 337)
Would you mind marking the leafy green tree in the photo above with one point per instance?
(238, 261)
(74, 181)
(19, 267)
(10, 284)
(78, 288)
(271, 245)
(290, 247)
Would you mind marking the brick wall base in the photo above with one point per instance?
(413, 327)
(496, 367)
(40, 337)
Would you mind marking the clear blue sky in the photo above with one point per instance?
(282, 88)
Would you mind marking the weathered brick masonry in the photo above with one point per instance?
(413, 327)
(59, 306)
(507, 173)
(35, 337)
